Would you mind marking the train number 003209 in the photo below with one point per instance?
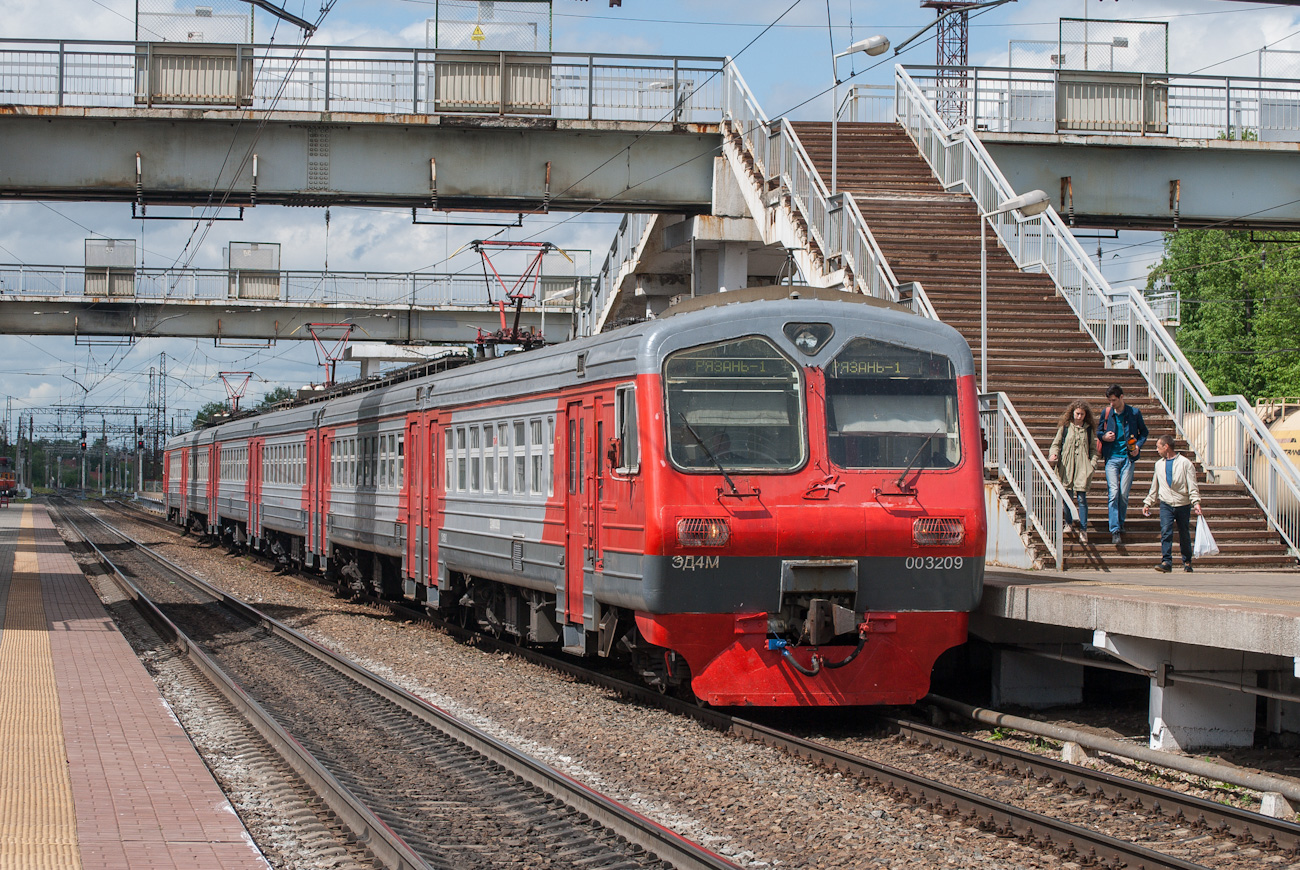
(933, 563)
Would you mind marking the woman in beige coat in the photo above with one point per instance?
(1073, 455)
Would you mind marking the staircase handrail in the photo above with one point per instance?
(1279, 492)
(1087, 292)
(1021, 463)
(831, 220)
(626, 239)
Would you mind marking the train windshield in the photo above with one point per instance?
(736, 404)
(890, 407)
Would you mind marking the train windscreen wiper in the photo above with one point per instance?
(915, 456)
(709, 453)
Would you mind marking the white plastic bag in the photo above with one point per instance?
(1204, 545)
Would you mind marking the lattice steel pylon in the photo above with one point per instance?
(951, 54)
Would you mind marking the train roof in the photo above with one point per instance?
(620, 353)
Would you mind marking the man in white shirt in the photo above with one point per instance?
(1173, 485)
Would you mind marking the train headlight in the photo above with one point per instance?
(809, 337)
(929, 531)
(702, 532)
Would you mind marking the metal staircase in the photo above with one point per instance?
(1038, 354)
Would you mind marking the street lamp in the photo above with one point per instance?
(1028, 204)
(872, 45)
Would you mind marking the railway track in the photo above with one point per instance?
(1184, 822)
(416, 786)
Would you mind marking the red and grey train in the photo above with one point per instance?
(8, 481)
(773, 500)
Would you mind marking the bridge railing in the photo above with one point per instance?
(421, 289)
(1229, 438)
(1020, 100)
(565, 85)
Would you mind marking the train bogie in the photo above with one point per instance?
(784, 508)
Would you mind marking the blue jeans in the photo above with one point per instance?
(1119, 480)
(1081, 507)
(1181, 517)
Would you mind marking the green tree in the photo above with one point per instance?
(207, 412)
(271, 398)
(1240, 324)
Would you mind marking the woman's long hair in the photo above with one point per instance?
(1068, 417)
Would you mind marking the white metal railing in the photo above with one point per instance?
(1228, 437)
(423, 289)
(620, 87)
(1021, 100)
(1019, 461)
(791, 182)
(868, 104)
(623, 253)
(833, 223)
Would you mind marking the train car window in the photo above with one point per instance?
(629, 448)
(503, 455)
(489, 458)
(550, 456)
(521, 458)
(582, 455)
(475, 459)
(600, 459)
(401, 459)
(449, 449)
(890, 407)
(737, 404)
(573, 455)
(536, 448)
(462, 461)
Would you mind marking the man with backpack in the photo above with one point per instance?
(1120, 437)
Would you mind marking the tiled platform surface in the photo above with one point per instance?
(95, 772)
(1246, 611)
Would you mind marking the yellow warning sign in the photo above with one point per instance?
(477, 35)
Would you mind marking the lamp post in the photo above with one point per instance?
(1028, 204)
(872, 45)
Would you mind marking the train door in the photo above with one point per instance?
(254, 488)
(182, 480)
(324, 488)
(213, 483)
(575, 514)
(434, 495)
(602, 417)
(311, 497)
(411, 502)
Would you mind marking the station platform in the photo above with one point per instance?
(95, 771)
(1221, 648)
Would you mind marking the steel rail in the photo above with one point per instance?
(369, 829)
(633, 827)
(1219, 817)
(996, 815)
(1001, 817)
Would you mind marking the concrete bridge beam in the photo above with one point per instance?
(316, 159)
(1185, 716)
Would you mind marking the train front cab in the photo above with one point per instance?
(817, 534)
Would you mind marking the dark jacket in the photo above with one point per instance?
(1131, 419)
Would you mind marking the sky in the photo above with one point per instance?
(783, 49)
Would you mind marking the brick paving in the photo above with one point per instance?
(143, 797)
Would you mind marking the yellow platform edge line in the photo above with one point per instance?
(38, 819)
